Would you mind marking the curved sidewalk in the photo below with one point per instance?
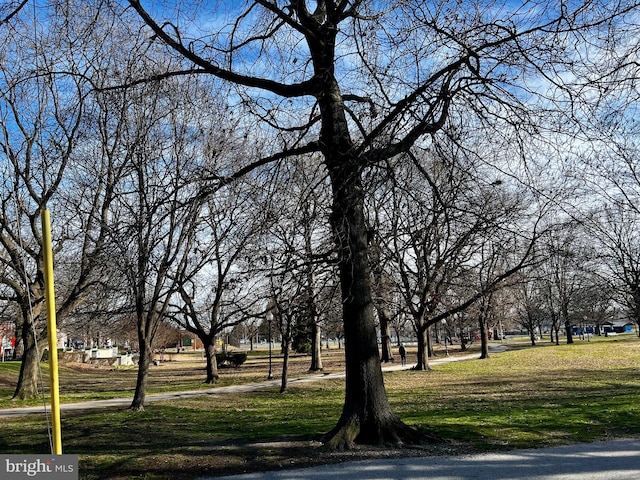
(157, 397)
(611, 460)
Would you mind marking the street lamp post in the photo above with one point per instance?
(269, 319)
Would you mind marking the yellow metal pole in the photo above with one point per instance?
(51, 328)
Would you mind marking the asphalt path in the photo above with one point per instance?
(610, 460)
(159, 397)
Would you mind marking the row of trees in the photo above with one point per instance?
(312, 160)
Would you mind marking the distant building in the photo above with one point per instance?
(189, 341)
(619, 326)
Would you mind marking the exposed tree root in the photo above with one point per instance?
(392, 432)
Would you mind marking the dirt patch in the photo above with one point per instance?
(281, 455)
(276, 455)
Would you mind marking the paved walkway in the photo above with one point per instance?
(157, 397)
(613, 460)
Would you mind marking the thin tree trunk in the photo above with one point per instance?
(285, 365)
(635, 293)
(564, 312)
(483, 324)
(144, 363)
(316, 344)
(385, 335)
(398, 342)
(314, 317)
(484, 335)
(382, 302)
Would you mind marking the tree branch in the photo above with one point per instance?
(308, 87)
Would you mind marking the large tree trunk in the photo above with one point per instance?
(212, 364)
(27, 387)
(366, 417)
(423, 349)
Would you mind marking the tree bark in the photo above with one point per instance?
(367, 416)
(212, 363)
(568, 331)
(430, 352)
(385, 335)
(285, 365)
(144, 362)
(484, 336)
(423, 350)
(27, 387)
(316, 344)
(635, 295)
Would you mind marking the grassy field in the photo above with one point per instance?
(529, 397)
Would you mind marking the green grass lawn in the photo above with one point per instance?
(522, 398)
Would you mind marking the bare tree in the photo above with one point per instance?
(287, 304)
(492, 263)
(460, 235)
(154, 213)
(218, 262)
(531, 307)
(382, 281)
(321, 80)
(49, 127)
(302, 232)
(563, 272)
(616, 231)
